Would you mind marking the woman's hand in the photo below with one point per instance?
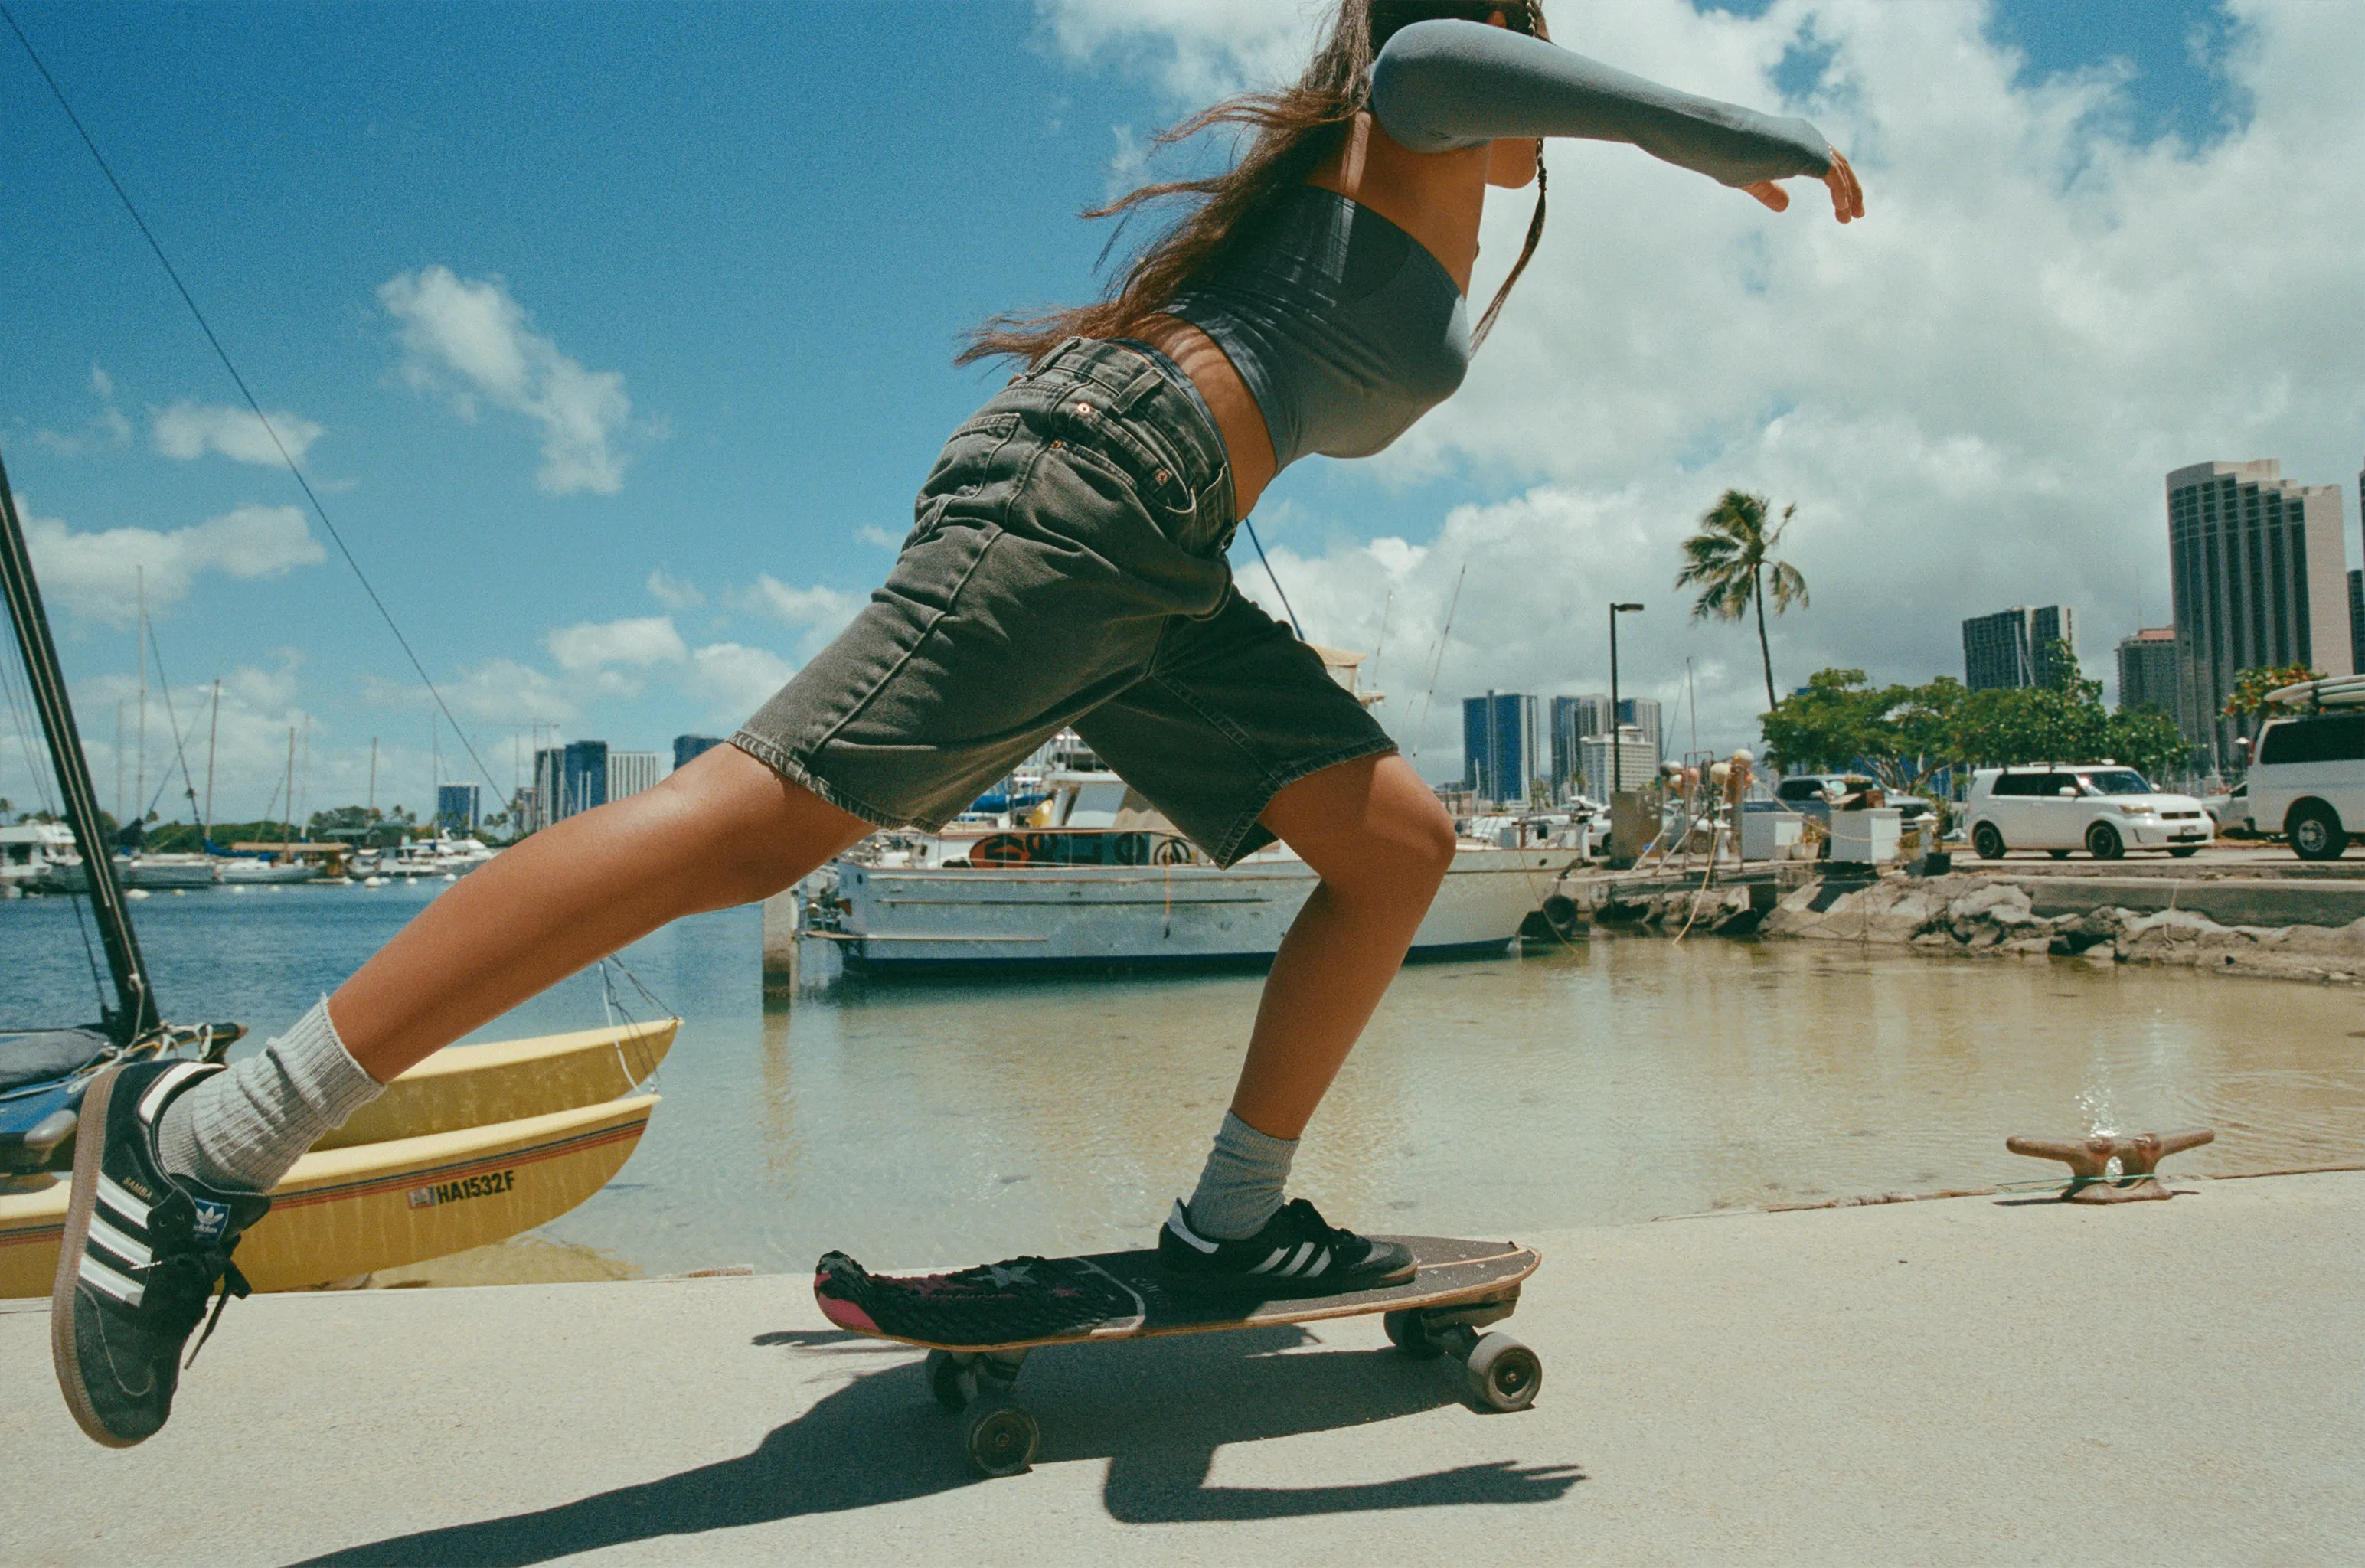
(1847, 191)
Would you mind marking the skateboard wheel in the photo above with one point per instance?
(1504, 1373)
(1001, 1439)
(945, 1380)
(1406, 1332)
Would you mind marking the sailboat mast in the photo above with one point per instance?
(213, 733)
(140, 790)
(287, 828)
(136, 1013)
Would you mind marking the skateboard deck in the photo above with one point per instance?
(978, 1324)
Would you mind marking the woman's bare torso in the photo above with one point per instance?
(1435, 197)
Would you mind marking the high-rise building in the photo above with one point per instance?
(1634, 764)
(1573, 719)
(1643, 713)
(2014, 647)
(629, 772)
(2260, 571)
(2148, 669)
(582, 776)
(2356, 609)
(458, 806)
(1500, 748)
(549, 773)
(686, 747)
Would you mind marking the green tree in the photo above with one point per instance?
(2148, 741)
(1902, 734)
(2248, 698)
(1730, 559)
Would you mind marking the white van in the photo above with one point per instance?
(2307, 778)
(2100, 807)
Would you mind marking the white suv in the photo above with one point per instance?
(2307, 778)
(2102, 808)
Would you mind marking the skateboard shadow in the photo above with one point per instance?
(1158, 1410)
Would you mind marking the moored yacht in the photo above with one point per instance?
(1098, 877)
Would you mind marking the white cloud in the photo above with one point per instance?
(673, 592)
(503, 691)
(1972, 396)
(99, 575)
(819, 612)
(469, 338)
(189, 430)
(106, 427)
(636, 642)
(1196, 51)
(735, 681)
(886, 539)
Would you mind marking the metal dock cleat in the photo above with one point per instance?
(2092, 1180)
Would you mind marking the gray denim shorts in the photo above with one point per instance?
(1068, 569)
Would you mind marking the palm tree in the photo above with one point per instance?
(1730, 557)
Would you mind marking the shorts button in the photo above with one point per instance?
(1084, 408)
(1162, 476)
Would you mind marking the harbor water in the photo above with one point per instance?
(1611, 1081)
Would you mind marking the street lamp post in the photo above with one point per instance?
(1616, 779)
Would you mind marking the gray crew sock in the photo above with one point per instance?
(1241, 1187)
(241, 1128)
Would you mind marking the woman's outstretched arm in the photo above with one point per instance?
(1440, 86)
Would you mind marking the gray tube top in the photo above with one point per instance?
(1344, 328)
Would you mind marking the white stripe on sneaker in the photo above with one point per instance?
(1320, 1263)
(154, 1099)
(1178, 1222)
(121, 1202)
(1278, 1254)
(1305, 1251)
(98, 1276)
(115, 1241)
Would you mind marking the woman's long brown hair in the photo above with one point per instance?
(1296, 128)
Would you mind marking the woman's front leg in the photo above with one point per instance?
(1381, 844)
(726, 830)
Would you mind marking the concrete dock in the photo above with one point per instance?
(1971, 1380)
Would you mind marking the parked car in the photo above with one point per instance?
(2230, 810)
(1811, 794)
(2101, 807)
(2307, 777)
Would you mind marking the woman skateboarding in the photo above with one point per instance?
(1066, 569)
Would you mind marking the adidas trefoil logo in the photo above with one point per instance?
(211, 1220)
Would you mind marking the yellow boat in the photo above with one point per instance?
(470, 1086)
(344, 1213)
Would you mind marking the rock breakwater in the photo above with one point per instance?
(1971, 913)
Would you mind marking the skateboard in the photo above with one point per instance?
(978, 1325)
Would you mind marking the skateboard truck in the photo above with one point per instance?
(2091, 1180)
(1504, 1374)
(1001, 1437)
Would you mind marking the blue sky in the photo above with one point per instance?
(735, 246)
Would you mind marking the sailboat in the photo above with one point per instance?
(475, 1144)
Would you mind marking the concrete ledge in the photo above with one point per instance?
(2228, 901)
(1965, 1381)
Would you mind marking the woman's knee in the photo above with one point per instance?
(1370, 826)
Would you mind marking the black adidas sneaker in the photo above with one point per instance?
(141, 1253)
(1297, 1254)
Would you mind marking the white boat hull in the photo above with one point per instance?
(178, 871)
(901, 918)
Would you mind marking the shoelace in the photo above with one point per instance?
(180, 1285)
(1331, 1235)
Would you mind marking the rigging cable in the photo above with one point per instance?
(1276, 581)
(268, 429)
